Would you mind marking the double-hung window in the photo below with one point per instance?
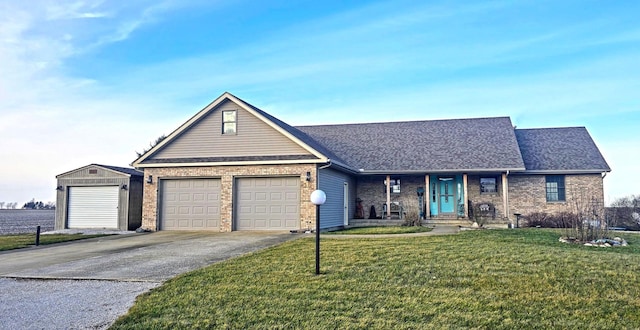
(229, 122)
(555, 188)
(488, 185)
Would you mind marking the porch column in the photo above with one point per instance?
(505, 198)
(427, 197)
(388, 197)
(466, 195)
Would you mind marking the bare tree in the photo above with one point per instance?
(1, 205)
(588, 220)
(625, 212)
(151, 145)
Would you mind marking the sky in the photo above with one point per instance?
(86, 82)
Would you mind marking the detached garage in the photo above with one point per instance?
(99, 196)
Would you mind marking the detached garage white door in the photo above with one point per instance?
(93, 207)
(268, 203)
(190, 204)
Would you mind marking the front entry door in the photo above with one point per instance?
(447, 196)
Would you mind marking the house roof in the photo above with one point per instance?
(470, 145)
(478, 144)
(560, 149)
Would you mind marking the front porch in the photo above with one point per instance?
(443, 198)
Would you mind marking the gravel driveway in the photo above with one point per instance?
(87, 284)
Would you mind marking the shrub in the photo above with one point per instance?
(547, 220)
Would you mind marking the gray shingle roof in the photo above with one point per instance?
(438, 145)
(125, 170)
(560, 149)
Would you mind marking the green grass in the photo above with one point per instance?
(10, 242)
(489, 279)
(381, 230)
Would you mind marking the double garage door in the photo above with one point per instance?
(93, 207)
(261, 204)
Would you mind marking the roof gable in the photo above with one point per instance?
(259, 138)
(478, 144)
(560, 149)
(102, 170)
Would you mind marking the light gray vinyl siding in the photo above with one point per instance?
(253, 138)
(332, 211)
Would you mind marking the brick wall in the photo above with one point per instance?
(372, 191)
(227, 175)
(476, 197)
(527, 194)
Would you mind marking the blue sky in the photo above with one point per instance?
(93, 81)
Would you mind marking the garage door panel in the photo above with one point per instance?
(268, 203)
(196, 207)
(93, 207)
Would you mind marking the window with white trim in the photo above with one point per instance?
(229, 122)
(488, 185)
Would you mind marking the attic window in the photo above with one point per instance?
(93, 171)
(229, 122)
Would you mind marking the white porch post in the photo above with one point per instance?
(427, 196)
(466, 194)
(388, 197)
(505, 197)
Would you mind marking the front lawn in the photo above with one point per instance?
(18, 241)
(489, 279)
(381, 230)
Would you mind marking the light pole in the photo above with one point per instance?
(318, 198)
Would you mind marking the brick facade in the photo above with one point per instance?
(227, 174)
(371, 190)
(477, 197)
(527, 194)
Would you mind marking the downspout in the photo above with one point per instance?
(505, 190)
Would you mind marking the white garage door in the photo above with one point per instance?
(93, 207)
(190, 204)
(268, 203)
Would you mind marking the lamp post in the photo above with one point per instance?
(517, 219)
(318, 197)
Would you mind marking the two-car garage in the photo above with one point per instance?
(259, 203)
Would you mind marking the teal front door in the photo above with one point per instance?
(447, 194)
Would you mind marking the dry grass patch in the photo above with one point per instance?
(491, 279)
(18, 241)
(381, 230)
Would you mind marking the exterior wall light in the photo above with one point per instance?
(124, 187)
(150, 179)
(59, 188)
(308, 177)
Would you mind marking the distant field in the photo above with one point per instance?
(26, 221)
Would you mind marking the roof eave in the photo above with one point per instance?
(589, 171)
(235, 163)
(427, 171)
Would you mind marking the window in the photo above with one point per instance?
(229, 122)
(488, 186)
(555, 188)
(395, 186)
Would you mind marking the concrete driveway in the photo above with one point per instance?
(89, 283)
